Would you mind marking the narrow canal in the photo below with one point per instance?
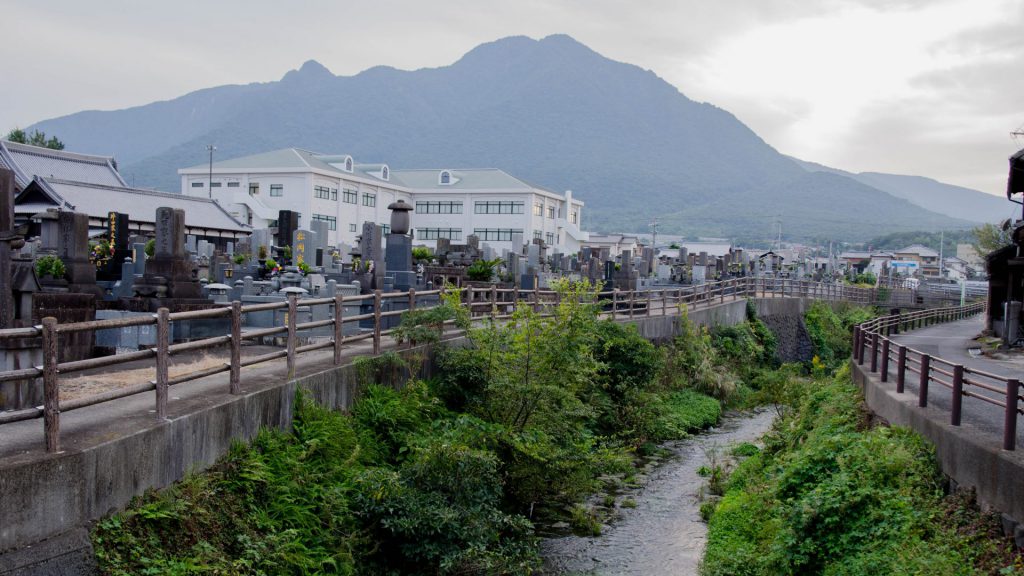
(664, 534)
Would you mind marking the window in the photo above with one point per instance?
(538, 208)
(351, 227)
(446, 177)
(254, 188)
(277, 190)
(349, 196)
(332, 222)
(197, 184)
(369, 199)
(233, 184)
(550, 238)
(496, 234)
(442, 207)
(214, 184)
(574, 217)
(551, 212)
(498, 207)
(537, 234)
(436, 233)
(271, 223)
(325, 193)
(385, 229)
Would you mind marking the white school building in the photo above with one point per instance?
(450, 203)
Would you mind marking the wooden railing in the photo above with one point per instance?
(872, 338)
(493, 302)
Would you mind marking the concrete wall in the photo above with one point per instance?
(966, 456)
(47, 501)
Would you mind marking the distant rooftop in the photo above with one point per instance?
(140, 205)
(28, 162)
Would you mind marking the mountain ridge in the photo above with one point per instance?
(552, 111)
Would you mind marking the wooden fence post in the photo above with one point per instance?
(292, 338)
(235, 375)
(926, 374)
(339, 327)
(1010, 415)
(874, 351)
(377, 318)
(901, 368)
(885, 360)
(51, 390)
(163, 342)
(958, 395)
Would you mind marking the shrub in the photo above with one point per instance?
(150, 248)
(240, 259)
(482, 270)
(50, 265)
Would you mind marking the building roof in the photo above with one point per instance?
(414, 179)
(140, 205)
(28, 162)
(923, 251)
(712, 248)
(464, 179)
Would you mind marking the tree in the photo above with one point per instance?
(36, 138)
(988, 238)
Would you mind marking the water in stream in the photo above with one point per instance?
(664, 534)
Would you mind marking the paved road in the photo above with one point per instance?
(951, 341)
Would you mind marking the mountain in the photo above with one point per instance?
(954, 201)
(551, 111)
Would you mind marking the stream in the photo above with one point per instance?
(663, 534)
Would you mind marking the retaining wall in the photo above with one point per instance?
(970, 458)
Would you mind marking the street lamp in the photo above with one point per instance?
(211, 148)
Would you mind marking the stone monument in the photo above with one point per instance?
(399, 249)
(169, 273)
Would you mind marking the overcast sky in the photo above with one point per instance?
(927, 87)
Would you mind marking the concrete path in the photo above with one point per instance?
(951, 342)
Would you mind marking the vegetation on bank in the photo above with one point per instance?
(832, 494)
(446, 476)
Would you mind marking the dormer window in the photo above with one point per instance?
(446, 177)
(348, 164)
(384, 173)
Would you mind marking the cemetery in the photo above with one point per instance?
(121, 275)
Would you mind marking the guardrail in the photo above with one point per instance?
(872, 338)
(493, 302)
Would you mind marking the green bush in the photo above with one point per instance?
(829, 496)
(50, 266)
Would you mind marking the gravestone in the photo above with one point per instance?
(287, 224)
(191, 244)
(302, 243)
(169, 273)
(399, 250)
(372, 254)
(73, 249)
(322, 230)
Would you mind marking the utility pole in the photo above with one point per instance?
(211, 148)
(942, 240)
(654, 234)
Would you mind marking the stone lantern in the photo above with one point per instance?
(400, 217)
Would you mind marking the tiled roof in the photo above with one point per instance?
(140, 205)
(28, 162)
